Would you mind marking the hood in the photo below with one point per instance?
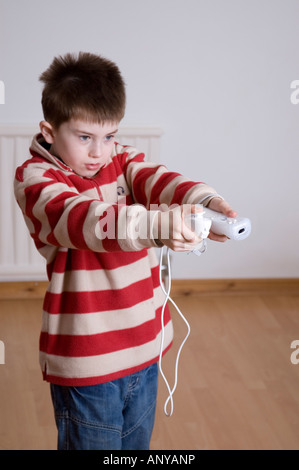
(41, 147)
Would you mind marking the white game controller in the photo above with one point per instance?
(237, 228)
(201, 226)
(201, 223)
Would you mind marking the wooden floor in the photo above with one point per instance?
(237, 389)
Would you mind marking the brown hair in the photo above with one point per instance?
(84, 86)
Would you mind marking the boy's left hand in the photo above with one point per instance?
(219, 205)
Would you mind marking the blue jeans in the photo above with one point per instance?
(117, 415)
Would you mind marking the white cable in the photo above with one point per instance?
(170, 391)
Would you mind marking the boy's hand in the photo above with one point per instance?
(173, 232)
(219, 205)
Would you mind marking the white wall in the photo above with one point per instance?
(214, 75)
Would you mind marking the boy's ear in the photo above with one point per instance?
(48, 131)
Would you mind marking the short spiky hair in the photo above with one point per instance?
(83, 86)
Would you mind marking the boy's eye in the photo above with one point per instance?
(109, 137)
(84, 138)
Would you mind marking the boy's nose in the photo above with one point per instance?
(96, 151)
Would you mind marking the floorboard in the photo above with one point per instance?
(237, 387)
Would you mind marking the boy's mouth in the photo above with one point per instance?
(92, 166)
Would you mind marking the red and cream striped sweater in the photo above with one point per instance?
(102, 309)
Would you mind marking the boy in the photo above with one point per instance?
(87, 202)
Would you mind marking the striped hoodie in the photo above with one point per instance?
(102, 309)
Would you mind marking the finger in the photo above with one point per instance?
(188, 235)
(180, 246)
(227, 210)
(187, 231)
(217, 238)
(196, 208)
(220, 205)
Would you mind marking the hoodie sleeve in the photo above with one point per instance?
(153, 185)
(57, 214)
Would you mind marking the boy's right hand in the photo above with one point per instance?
(172, 230)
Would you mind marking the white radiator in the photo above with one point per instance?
(19, 259)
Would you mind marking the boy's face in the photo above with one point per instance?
(83, 146)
